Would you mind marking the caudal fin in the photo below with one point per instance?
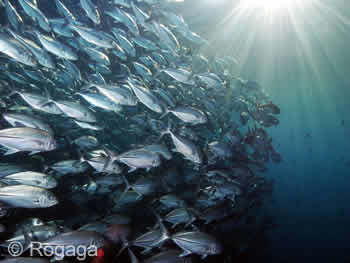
(132, 256)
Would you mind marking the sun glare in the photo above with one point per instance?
(269, 6)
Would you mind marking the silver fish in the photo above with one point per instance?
(77, 239)
(140, 15)
(167, 38)
(86, 125)
(64, 11)
(13, 16)
(186, 147)
(26, 139)
(126, 44)
(8, 169)
(92, 36)
(91, 11)
(159, 149)
(40, 54)
(171, 201)
(69, 167)
(179, 216)
(27, 196)
(98, 163)
(143, 71)
(36, 102)
(146, 97)
(75, 110)
(14, 49)
(63, 30)
(197, 243)
(180, 75)
(188, 114)
(17, 119)
(101, 102)
(142, 186)
(97, 56)
(118, 95)
(139, 159)
(168, 256)
(34, 13)
(35, 231)
(56, 47)
(145, 43)
(31, 178)
(123, 17)
(86, 141)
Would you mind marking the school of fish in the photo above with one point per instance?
(117, 131)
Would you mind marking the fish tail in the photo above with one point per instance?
(132, 256)
(164, 114)
(127, 184)
(125, 245)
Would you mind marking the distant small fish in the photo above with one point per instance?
(308, 135)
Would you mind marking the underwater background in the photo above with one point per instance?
(303, 62)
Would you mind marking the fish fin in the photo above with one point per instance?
(37, 182)
(174, 225)
(132, 169)
(122, 195)
(47, 100)
(125, 245)
(139, 196)
(45, 103)
(127, 185)
(109, 160)
(164, 231)
(92, 109)
(164, 114)
(81, 158)
(18, 124)
(185, 253)
(27, 240)
(39, 158)
(146, 250)
(87, 86)
(195, 228)
(132, 256)
(11, 151)
(190, 222)
(14, 92)
(68, 139)
(76, 163)
(156, 225)
(6, 181)
(109, 152)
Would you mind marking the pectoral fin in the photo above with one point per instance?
(11, 151)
